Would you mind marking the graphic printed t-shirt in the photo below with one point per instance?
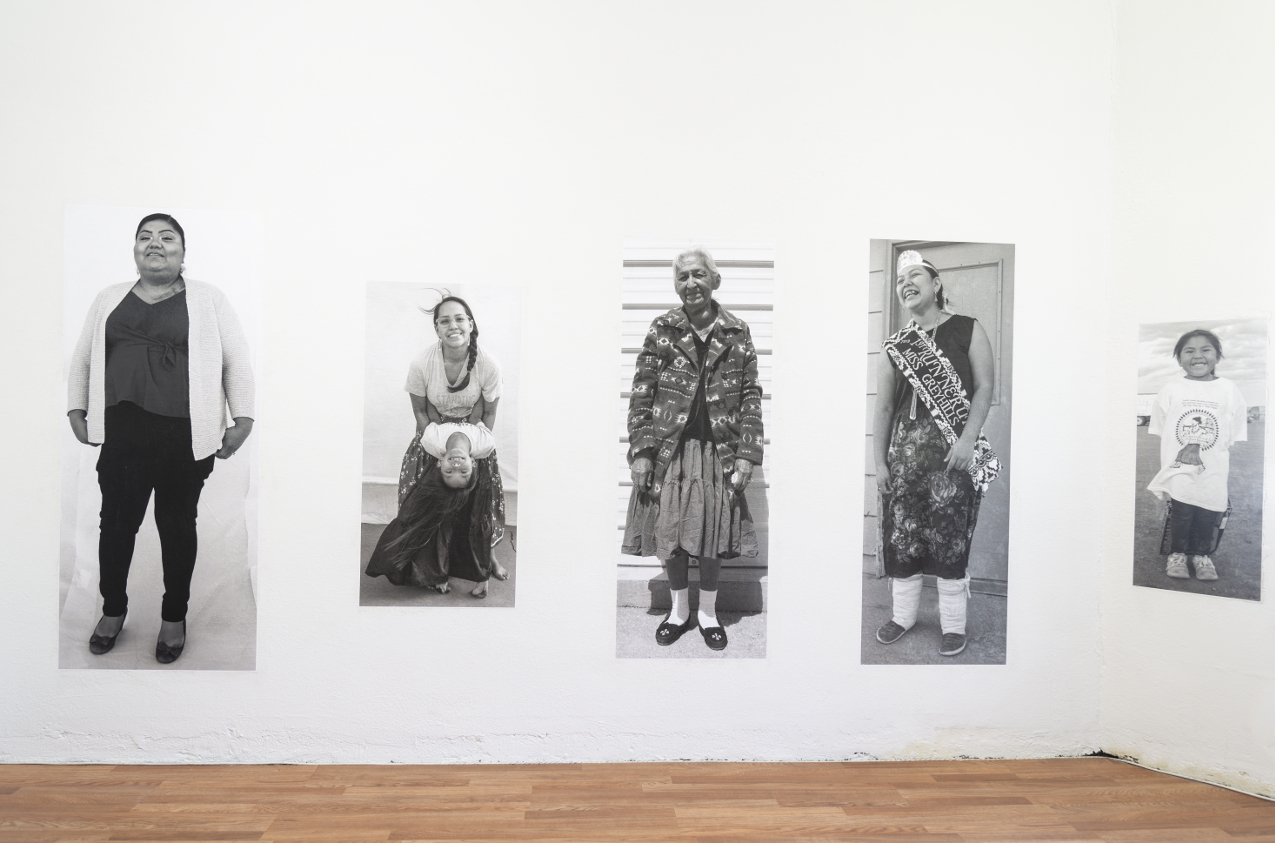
(427, 377)
(1197, 421)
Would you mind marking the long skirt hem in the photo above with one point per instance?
(696, 511)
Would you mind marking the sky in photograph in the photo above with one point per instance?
(1244, 344)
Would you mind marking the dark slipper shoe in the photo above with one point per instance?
(714, 637)
(666, 633)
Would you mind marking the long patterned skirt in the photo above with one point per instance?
(928, 518)
(417, 548)
(695, 512)
(415, 461)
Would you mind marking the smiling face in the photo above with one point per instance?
(1198, 358)
(695, 283)
(457, 467)
(158, 249)
(916, 289)
(453, 324)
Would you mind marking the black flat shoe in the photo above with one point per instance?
(714, 637)
(667, 633)
(99, 644)
(165, 654)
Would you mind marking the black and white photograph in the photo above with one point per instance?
(697, 339)
(161, 336)
(936, 520)
(1201, 448)
(440, 445)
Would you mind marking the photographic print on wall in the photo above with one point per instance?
(936, 496)
(1201, 439)
(697, 338)
(161, 352)
(440, 445)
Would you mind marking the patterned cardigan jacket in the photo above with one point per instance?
(664, 385)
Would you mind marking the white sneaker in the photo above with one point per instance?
(1204, 569)
(1177, 567)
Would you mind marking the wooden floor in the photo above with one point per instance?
(934, 802)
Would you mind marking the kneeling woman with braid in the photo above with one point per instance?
(451, 382)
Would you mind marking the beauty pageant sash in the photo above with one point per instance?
(935, 380)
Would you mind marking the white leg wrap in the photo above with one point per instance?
(953, 595)
(907, 598)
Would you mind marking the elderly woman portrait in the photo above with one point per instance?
(160, 382)
(935, 389)
(694, 441)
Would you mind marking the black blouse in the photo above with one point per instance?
(147, 355)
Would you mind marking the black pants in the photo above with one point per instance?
(1194, 530)
(144, 452)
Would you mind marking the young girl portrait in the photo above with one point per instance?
(1201, 454)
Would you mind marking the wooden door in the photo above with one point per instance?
(978, 281)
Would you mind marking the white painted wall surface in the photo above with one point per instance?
(507, 141)
(1188, 681)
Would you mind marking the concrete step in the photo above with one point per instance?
(739, 589)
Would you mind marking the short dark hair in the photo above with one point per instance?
(168, 218)
(1197, 332)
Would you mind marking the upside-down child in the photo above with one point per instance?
(457, 445)
(1197, 417)
(443, 528)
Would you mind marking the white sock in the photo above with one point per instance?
(681, 605)
(953, 595)
(907, 599)
(708, 608)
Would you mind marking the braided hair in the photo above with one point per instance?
(473, 337)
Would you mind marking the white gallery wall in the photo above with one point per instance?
(1188, 680)
(505, 143)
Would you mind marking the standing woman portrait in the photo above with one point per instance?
(159, 366)
(935, 385)
(695, 435)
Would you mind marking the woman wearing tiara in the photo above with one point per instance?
(934, 391)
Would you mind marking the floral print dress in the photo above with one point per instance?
(929, 516)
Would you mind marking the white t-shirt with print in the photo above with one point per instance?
(427, 377)
(1197, 421)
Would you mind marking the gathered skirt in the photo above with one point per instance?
(928, 518)
(417, 548)
(696, 511)
(415, 462)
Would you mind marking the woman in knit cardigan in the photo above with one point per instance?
(155, 367)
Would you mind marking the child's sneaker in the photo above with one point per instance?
(1204, 569)
(1177, 567)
